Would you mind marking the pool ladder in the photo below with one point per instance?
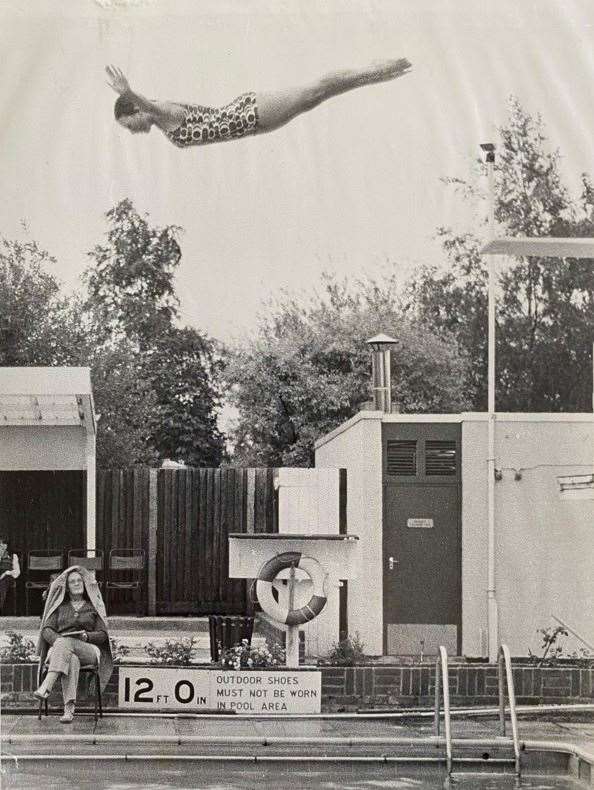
(505, 680)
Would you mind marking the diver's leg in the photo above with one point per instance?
(277, 108)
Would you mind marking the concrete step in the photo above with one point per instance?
(177, 624)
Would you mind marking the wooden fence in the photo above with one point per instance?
(182, 518)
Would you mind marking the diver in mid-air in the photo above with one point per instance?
(250, 113)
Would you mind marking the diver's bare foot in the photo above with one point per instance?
(384, 70)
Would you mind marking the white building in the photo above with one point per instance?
(417, 499)
(47, 457)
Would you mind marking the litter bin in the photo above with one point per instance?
(226, 631)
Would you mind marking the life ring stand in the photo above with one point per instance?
(268, 573)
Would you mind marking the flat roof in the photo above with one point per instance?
(544, 247)
(52, 396)
(45, 381)
(469, 416)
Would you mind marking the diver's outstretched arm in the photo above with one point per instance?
(167, 115)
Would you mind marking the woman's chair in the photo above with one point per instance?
(125, 571)
(91, 559)
(42, 569)
(89, 670)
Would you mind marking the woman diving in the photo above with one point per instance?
(250, 113)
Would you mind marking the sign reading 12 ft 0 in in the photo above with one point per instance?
(251, 692)
(146, 688)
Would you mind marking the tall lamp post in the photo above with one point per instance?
(519, 246)
(492, 611)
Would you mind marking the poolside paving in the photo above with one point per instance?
(128, 726)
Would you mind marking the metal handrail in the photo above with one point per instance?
(441, 672)
(504, 672)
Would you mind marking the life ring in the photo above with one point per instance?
(268, 573)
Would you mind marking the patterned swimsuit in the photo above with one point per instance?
(211, 124)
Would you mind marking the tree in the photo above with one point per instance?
(130, 285)
(545, 316)
(184, 368)
(38, 324)
(307, 369)
(124, 401)
(132, 300)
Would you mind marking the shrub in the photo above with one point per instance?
(19, 649)
(553, 650)
(347, 652)
(244, 656)
(171, 652)
(551, 647)
(119, 652)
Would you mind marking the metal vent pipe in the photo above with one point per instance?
(381, 377)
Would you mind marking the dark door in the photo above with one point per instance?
(421, 540)
(41, 510)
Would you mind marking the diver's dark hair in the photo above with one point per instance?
(124, 106)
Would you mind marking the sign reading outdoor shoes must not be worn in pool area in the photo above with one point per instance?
(255, 692)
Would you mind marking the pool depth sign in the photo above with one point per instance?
(191, 690)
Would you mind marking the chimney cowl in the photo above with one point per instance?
(380, 371)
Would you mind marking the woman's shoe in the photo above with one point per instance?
(41, 694)
(68, 716)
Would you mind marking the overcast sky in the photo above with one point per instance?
(343, 188)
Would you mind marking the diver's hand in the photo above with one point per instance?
(117, 80)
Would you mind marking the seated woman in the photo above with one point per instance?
(10, 569)
(250, 113)
(73, 633)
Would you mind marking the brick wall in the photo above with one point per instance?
(409, 686)
(377, 686)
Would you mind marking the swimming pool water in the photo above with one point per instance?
(168, 775)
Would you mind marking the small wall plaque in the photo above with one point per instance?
(419, 523)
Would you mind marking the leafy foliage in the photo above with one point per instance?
(19, 650)
(133, 309)
(553, 650)
(130, 283)
(244, 656)
(38, 325)
(178, 652)
(347, 653)
(307, 369)
(118, 651)
(545, 315)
